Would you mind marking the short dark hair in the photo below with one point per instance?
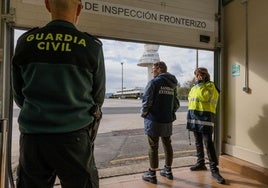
(162, 65)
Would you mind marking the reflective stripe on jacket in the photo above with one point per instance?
(203, 99)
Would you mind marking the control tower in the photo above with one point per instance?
(150, 56)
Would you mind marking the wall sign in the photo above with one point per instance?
(117, 10)
(235, 70)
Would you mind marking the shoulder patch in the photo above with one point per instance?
(94, 38)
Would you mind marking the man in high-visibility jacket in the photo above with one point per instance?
(203, 99)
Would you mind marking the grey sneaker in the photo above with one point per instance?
(166, 172)
(150, 176)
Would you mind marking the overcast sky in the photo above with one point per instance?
(180, 61)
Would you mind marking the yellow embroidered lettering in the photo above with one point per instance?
(68, 38)
(75, 39)
(68, 49)
(55, 46)
(30, 38)
(47, 46)
(56, 41)
(58, 37)
(63, 47)
(82, 42)
(41, 45)
(39, 36)
(49, 37)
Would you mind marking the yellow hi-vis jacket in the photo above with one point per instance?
(203, 97)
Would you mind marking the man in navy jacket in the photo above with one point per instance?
(159, 105)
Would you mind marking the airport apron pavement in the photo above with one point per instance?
(121, 147)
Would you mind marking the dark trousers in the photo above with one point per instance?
(153, 151)
(68, 156)
(207, 139)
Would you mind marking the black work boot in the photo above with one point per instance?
(215, 170)
(198, 167)
(166, 172)
(218, 177)
(150, 176)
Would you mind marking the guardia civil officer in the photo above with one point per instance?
(58, 75)
(159, 104)
(203, 99)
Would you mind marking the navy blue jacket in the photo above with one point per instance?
(158, 103)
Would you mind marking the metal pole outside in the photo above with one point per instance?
(122, 81)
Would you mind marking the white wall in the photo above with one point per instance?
(246, 114)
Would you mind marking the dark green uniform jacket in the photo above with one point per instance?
(57, 75)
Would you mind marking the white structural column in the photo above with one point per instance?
(150, 56)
